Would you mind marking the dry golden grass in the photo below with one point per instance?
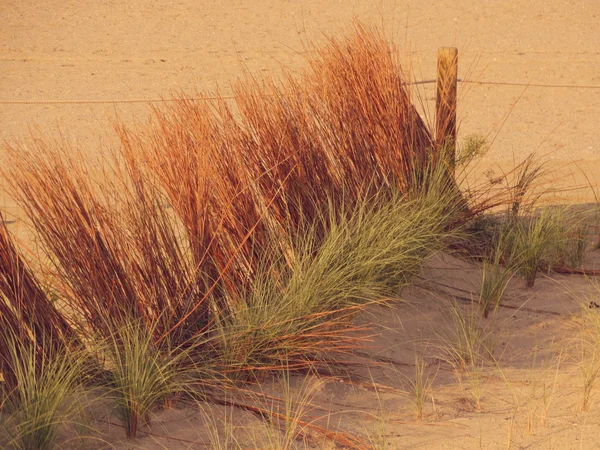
(26, 313)
(251, 232)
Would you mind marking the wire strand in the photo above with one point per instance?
(159, 100)
(542, 85)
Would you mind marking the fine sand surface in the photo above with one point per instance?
(68, 50)
(530, 397)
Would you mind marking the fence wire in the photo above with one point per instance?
(540, 85)
(160, 100)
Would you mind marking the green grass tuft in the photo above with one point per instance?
(140, 375)
(44, 399)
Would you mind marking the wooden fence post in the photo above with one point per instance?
(445, 107)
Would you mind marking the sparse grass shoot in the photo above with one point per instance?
(421, 385)
(589, 347)
(468, 341)
(495, 277)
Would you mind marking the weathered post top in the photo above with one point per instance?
(447, 78)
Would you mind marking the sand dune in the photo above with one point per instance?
(68, 50)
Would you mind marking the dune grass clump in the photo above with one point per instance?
(364, 257)
(468, 342)
(544, 240)
(27, 315)
(294, 411)
(250, 231)
(245, 174)
(498, 269)
(469, 346)
(523, 186)
(44, 398)
(577, 245)
(139, 376)
(176, 233)
(421, 385)
(40, 356)
(494, 280)
(534, 240)
(114, 248)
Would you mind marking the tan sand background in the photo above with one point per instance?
(74, 50)
(78, 50)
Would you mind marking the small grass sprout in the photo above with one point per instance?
(577, 245)
(589, 346)
(421, 386)
(494, 279)
(468, 341)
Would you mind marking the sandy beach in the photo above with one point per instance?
(72, 67)
(125, 50)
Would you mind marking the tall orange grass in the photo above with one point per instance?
(249, 231)
(204, 197)
(244, 174)
(26, 312)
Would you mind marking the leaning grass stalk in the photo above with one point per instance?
(26, 312)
